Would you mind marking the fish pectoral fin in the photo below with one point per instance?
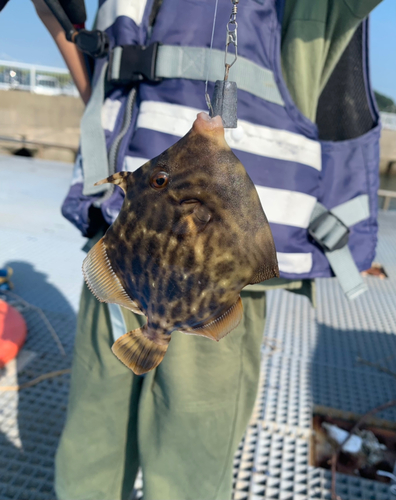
(119, 179)
(223, 325)
(138, 352)
(103, 281)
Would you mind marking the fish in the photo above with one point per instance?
(190, 235)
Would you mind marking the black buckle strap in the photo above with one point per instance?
(133, 63)
(94, 43)
(329, 232)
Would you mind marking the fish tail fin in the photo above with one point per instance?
(138, 352)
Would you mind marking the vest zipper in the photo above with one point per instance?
(113, 153)
(114, 149)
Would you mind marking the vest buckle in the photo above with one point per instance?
(329, 232)
(133, 63)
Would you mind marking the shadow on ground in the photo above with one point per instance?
(32, 418)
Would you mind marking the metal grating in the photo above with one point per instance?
(35, 239)
(314, 362)
(309, 357)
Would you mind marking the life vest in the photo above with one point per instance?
(317, 183)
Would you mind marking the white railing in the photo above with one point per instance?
(37, 79)
(388, 120)
(388, 196)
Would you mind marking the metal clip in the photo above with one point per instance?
(224, 101)
(232, 38)
(234, 11)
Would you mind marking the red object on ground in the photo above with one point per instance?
(12, 332)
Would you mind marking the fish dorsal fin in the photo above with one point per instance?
(220, 327)
(119, 179)
(103, 281)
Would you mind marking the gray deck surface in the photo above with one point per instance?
(314, 362)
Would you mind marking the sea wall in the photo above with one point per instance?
(56, 120)
(42, 118)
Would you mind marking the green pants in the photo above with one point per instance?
(181, 423)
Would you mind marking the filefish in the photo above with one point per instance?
(191, 234)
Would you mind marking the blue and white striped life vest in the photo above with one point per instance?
(292, 169)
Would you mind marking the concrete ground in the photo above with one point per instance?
(309, 356)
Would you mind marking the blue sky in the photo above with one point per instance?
(23, 38)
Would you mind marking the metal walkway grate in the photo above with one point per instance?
(313, 360)
(315, 363)
(34, 239)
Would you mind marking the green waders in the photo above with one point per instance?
(181, 423)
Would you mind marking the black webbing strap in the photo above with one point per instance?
(3, 3)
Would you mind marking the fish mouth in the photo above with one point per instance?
(190, 202)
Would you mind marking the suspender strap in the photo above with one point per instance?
(133, 63)
(330, 230)
(93, 142)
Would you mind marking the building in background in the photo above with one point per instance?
(37, 79)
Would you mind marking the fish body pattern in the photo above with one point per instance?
(191, 234)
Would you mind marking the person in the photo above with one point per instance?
(182, 422)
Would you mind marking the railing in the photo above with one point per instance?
(23, 142)
(382, 193)
(388, 120)
(387, 195)
(37, 79)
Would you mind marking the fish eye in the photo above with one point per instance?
(159, 180)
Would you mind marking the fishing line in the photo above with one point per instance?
(207, 98)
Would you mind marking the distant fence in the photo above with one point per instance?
(56, 81)
(388, 120)
(37, 79)
(388, 197)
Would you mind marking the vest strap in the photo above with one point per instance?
(93, 142)
(344, 267)
(332, 234)
(133, 63)
(353, 211)
(169, 61)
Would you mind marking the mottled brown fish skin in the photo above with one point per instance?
(184, 252)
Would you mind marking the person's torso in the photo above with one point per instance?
(280, 149)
